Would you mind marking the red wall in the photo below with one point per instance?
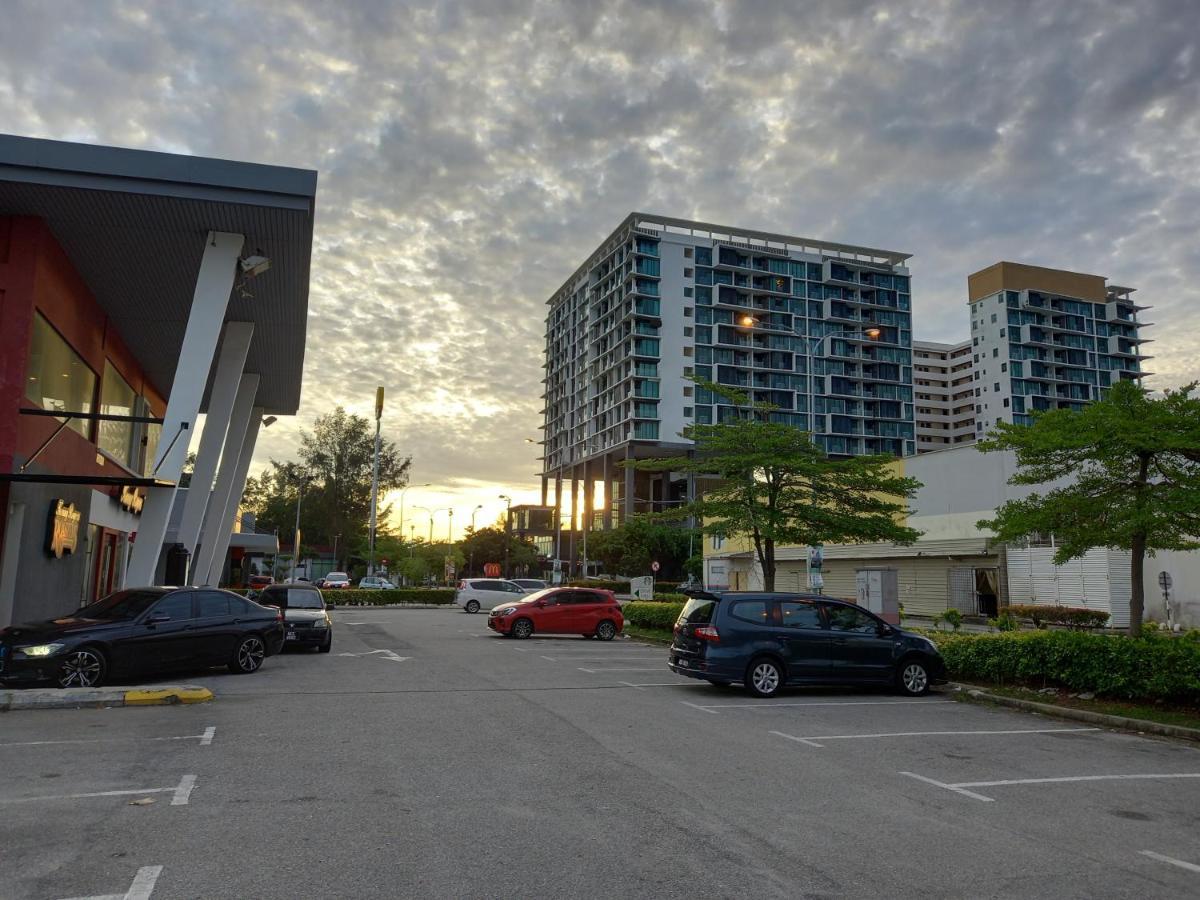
(35, 274)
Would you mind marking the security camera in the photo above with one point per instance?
(254, 265)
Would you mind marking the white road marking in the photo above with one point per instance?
(141, 889)
(941, 704)
(636, 687)
(121, 740)
(1191, 867)
(182, 790)
(959, 787)
(619, 669)
(207, 737)
(950, 787)
(520, 649)
(812, 741)
(705, 709)
(386, 654)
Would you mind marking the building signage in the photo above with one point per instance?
(130, 500)
(64, 529)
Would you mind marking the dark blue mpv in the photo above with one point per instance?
(767, 641)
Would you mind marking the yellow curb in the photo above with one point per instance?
(171, 695)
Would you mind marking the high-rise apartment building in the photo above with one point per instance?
(1048, 339)
(944, 394)
(664, 300)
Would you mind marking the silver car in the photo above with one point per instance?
(474, 594)
(305, 619)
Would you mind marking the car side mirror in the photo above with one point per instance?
(158, 619)
(886, 630)
(540, 604)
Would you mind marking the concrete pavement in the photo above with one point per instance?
(426, 757)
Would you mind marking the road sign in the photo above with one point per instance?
(654, 567)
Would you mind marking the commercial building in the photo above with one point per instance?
(663, 301)
(944, 394)
(1048, 339)
(138, 290)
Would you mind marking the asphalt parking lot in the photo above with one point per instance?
(427, 757)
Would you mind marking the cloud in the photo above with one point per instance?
(472, 154)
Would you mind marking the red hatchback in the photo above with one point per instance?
(582, 611)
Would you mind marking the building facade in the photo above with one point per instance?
(1048, 339)
(944, 394)
(821, 331)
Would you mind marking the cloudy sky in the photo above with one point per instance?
(472, 153)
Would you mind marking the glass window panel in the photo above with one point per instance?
(57, 377)
(116, 399)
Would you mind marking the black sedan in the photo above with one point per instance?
(141, 631)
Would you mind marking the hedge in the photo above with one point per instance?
(360, 597)
(1147, 668)
(1071, 616)
(619, 587)
(652, 613)
(670, 598)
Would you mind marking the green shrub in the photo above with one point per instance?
(1003, 622)
(953, 618)
(358, 597)
(652, 613)
(670, 598)
(1155, 668)
(1071, 616)
(619, 587)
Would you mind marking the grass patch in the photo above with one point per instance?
(656, 635)
(1163, 713)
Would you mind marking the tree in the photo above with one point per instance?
(486, 545)
(334, 465)
(629, 548)
(777, 487)
(1133, 466)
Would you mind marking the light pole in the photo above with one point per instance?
(296, 537)
(403, 490)
(507, 528)
(471, 563)
(336, 538)
(450, 529)
(812, 345)
(429, 512)
(375, 480)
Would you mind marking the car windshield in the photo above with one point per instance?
(292, 598)
(337, 576)
(121, 605)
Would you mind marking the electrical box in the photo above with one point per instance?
(878, 590)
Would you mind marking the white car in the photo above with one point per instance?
(530, 584)
(376, 584)
(336, 580)
(474, 594)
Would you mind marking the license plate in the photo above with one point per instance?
(291, 635)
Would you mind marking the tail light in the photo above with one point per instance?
(707, 633)
(279, 614)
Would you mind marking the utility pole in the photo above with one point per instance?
(375, 480)
(507, 529)
(296, 535)
(471, 564)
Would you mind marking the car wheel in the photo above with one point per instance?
(84, 667)
(521, 629)
(472, 606)
(248, 656)
(606, 631)
(327, 646)
(912, 677)
(764, 677)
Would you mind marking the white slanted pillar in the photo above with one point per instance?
(234, 346)
(215, 522)
(234, 497)
(209, 301)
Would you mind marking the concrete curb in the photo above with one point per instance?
(972, 693)
(104, 697)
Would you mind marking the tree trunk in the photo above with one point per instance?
(768, 565)
(1137, 601)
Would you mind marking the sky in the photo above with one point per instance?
(472, 154)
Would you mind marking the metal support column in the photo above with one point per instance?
(234, 498)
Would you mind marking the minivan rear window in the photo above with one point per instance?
(698, 611)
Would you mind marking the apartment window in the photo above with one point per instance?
(687, 370)
(976, 357)
(687, 252)
(1003, 367)
(687, 292)
(1001, 332)
(975, 327)
(687, 391)
(993, 318)
(57, 378)
(687, 412)
(689, 273)
(687, 311)
(1006, 403)
(117, 398)
(687, 351)
(687, 331)
(976, 394)
(997, 387)
(978, 408)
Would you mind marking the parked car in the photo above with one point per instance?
(375, 584)
(306, 623)
(336, 580)
(582, 611)
(531, 584)
(141, 631)
(474, 594)
(769, 640)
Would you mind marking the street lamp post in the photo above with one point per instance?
(471, 563)
(812, 346)
(404, 490)
(429, 512)
(507, 528)
(296, 536)
(375, 480)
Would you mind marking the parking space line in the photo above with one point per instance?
(950, 787)
(941, 704)
(141, 889)
(1191, 867)
(204, 739)
(711, 712)
(619, 669)
(812, 741)
(182, 792)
